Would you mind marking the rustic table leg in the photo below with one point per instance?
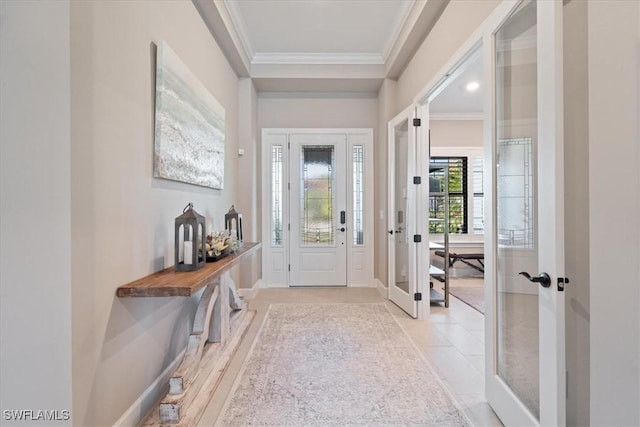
(188, 370)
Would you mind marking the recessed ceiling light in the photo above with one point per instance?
(473, 86)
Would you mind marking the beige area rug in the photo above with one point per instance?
(470, 295)
(336, 365)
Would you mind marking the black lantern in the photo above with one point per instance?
(233, 223)
(193, 242)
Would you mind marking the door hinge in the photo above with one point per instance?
(417, 238)
(289, 226)
(289, 267)
(417, 122)
(417, 180)
(417, 296)
(561, 282)
(288, 186)
(289, 145)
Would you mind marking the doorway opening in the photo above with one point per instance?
(455, 201)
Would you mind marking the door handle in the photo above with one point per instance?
(341, 229)
(343, 217)
(543, 278)
(390, 232)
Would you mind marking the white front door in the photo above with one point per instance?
(402, 212)
(317, 199)
(318, 206)
(525, 366)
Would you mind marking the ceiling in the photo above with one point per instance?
(327, 31)
(455, 101)
(340, 46)
(319, 45)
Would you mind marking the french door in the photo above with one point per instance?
(402, 214)
(317, 202)
(524, 240)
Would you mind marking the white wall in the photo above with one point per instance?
(456, 133)
(614, 210)
(122, 217)
(249, 167)
(317, 111)
(35, 277)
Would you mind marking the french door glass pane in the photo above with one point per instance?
(276, 195)
(401, 208)
(517, 299)
(358, 195)
(317, 195)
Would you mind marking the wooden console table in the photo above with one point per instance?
(219, 324)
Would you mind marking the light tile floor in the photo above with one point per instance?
(451, 340)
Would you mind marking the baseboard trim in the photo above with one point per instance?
(384, 291)
(150, 397)
(252, 291)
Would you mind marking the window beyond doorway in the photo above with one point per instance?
(458, 213)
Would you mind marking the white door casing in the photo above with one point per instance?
(281, 202)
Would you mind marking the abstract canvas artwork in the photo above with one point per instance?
(189, 126)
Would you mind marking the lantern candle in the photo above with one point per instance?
(188, 252)
(189, 240)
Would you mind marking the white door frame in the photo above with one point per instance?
(550, 208)
(275, 258)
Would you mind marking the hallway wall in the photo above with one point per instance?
(614, 209)
(35, 274)
(122, 217)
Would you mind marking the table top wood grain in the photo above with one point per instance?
(169, 283)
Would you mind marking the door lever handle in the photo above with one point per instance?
(543, 278)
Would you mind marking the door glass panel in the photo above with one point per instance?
(517, 298)
(276, 195)
(401, 208)
(317, 195)
(358, 195)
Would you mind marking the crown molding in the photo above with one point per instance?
(318, 59)
(218, 20)
(399, 28)
(420, 20)
(240, 27)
